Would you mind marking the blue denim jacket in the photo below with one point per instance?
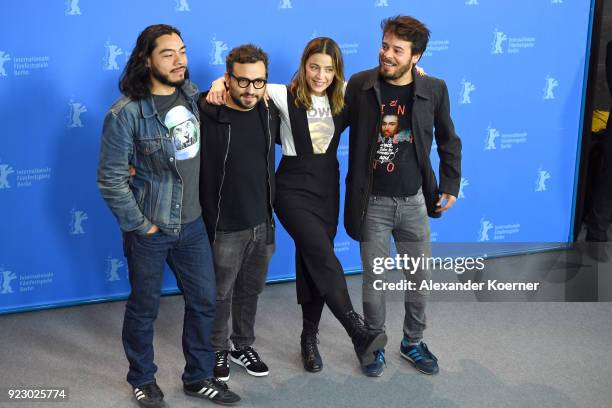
(134, 134)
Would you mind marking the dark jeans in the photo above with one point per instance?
(189, 257)
(241, 265)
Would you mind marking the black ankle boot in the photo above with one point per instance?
(366, 341)
(310, 352)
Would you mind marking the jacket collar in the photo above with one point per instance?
(147, 107)
(373, 79)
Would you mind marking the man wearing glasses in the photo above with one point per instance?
(236, 193)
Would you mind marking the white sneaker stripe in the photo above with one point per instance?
(211, 396)
(210, 391)
(140, 397)
(202, 390)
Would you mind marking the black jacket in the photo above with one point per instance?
(431, 109)
(215, 128)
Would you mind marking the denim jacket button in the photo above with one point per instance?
(172, 159)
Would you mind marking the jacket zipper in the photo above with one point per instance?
(268, 170)
(229, 138)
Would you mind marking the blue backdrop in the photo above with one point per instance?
(514, 68)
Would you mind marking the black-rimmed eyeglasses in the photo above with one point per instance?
(258, 83)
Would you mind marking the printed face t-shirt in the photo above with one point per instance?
(396, 171)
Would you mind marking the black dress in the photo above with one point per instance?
(307, 205)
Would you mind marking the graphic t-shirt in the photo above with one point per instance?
(320, 121)
(244, 195)
(396, 171)
(174, 111)
(320, 124)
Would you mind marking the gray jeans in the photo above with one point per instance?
(241, 261)
(406, 220)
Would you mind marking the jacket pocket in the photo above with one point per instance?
(151, 153)
(148, 147)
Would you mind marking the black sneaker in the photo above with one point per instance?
(149, 395)
(420, 356)
(213, 389)
(221, 370)
(249, 359)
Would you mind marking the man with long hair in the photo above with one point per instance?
(159, 212)
(395, 198)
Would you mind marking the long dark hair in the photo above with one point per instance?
(335, 92)
(135, 81)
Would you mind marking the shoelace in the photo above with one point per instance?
(221, 357)
(251, 354)
(416, 355)
(151, 390)
(428, 353)
(357, 319)
(311, 345)
(220, 384)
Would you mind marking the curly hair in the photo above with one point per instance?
(245, 54)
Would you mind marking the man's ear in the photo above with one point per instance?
(416, 58)
(227, 78)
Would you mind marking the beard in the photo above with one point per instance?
(165, 79)
(237, 95)
(400, 70)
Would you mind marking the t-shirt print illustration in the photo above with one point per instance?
(392, 137)
(396, 172)
(389, 140)
(185, 132)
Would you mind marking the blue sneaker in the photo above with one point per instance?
(420, 356)
(376, 368)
